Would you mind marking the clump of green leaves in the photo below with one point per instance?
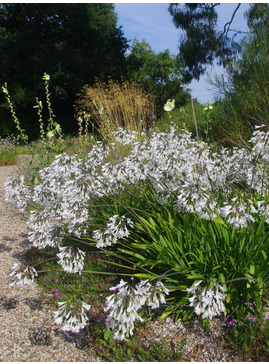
(112, 350)
(182, 248)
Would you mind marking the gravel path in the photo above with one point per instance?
(27, 330)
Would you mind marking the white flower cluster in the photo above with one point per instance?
(116, 229)
(71, 259)
(125, 303)
(238, 214)
(173, 162)
(208, 302)
(17, 194)
(72, 317)
(260, 140)
(22, 275)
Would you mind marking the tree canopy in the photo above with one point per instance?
(202, 42)
(158, 72)
(73, 43)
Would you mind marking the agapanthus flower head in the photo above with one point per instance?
(17, 194)
(23, 275)
(207, 301)
(116, 228)
(173, 162)
(127, 300)
(155, 293)
(71, 259)
(238, 213)
(72, 317)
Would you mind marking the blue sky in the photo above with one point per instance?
(153, 23)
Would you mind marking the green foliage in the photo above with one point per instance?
(257, 14)
(8, 152)
(20, 132)
(51, 142)
(251, 338)
(181, 248)
(182, 117)
(58, 285)
(131, 349)
(65, 40)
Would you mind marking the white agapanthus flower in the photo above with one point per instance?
(71, 259)
(43, 232)
(117, 226)
(125, 303)
(116, 229)
(207, 301)
(17, 194)
(263, 208)
(260, 142)
(173, 162)
(72, 317)
(22, 275)
(155, 294)
(238, 213)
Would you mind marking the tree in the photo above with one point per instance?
(257, 14)
(73, 43)
(158, 72)
(245, 89)
(202, 43)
